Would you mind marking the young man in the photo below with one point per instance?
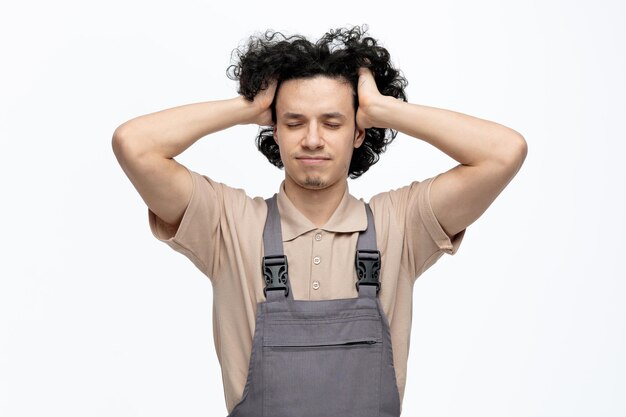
(328, 110)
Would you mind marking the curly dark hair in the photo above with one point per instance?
(337, 54)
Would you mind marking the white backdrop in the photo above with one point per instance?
(98, 318)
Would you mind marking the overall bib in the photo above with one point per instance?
(319, 358)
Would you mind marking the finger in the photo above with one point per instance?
(364, 70)
(366, 78)
(272, 84)
(366, 73)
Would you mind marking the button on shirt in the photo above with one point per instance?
(330, 272)
(221, 233)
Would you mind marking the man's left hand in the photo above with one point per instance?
(370, 100)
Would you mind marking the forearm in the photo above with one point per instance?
(467, 139)
(170, 132)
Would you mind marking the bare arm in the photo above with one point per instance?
(490, 154)
(145, 147)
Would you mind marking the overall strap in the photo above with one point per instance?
(367, 260)
(275, 268)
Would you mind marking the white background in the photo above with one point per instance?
(98, 318)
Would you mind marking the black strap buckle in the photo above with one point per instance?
(368, 268)
(275, 273)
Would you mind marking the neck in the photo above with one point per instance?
(316, 205)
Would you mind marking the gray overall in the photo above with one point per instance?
(319, 358)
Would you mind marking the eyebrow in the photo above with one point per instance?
(331, 115)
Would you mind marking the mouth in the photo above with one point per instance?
(312, 160)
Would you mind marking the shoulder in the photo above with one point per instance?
(409, 208)
(397, 201)
(225, 198)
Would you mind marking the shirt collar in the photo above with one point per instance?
(349, 216)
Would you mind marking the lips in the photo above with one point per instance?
(313, 157)
(311, 160)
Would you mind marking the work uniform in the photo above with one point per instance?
(323, 357)
(221, 233)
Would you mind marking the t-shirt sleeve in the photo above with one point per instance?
(423, 239)
(436, 232)
(201, 229)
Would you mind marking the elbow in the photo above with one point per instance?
(514, 152)
(122, 142)
(513, 149)
(519, 148)
(119, 142)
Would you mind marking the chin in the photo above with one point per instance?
(314, 183)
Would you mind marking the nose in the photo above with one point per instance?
(313, 140)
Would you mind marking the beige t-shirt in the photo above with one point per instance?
(221, 233)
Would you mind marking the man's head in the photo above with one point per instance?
(315, 130)
(336, 56)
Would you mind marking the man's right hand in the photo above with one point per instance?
(263, 105)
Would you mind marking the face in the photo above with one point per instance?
(316, 131)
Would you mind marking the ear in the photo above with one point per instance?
(359, 136)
